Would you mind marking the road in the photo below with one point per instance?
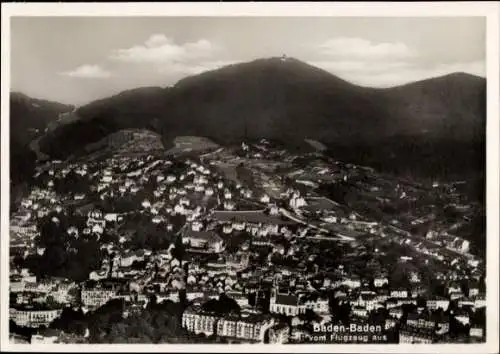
(291, 216)
(212, 153)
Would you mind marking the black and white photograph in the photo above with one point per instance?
(250, 178)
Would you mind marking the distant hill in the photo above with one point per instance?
(30, 116)
(451, 106)
(133, 109)
(28, 119)
(285, 100)
(123, 142)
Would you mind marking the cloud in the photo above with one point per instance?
(159, 49)
(193, 68)
(387, 74)
(477, 67)
(156, 40)
(88, 71)
(352, 48)
(358, 66)
(383, 64)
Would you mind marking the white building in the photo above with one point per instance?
(97, 297)
(434, 304)
(33, 318)
(285, 304)
(265, 198)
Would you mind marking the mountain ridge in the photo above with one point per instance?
(282, 99)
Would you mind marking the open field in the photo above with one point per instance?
(191, 143)
(316, 144)
(321, 203)
(253, 216)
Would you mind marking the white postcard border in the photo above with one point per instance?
(490, 10)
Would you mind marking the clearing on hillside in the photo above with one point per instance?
(191, 144)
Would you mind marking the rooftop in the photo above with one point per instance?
(290, 300)
(208, 236)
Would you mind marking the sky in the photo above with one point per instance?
(79, 59)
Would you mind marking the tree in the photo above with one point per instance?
(252, 297)
(23, 331)
(222, 306)
(70, 321)
(179, 250)
(399, 277)
(310, 316)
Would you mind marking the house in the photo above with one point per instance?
(285, 304)
(367, 301)
(111, 217)
(196, 226)
(264, 198)
(157, 193)
(274, 210)
(18, 339)
(396, 312)
(380, 281)
(179, 209)
(466, 302)
(456, 295)
(476, 332)
(95, 217)
(191, 279)
(279, 248)
(194, 293)
(279, 334)
(72, 231)
(297, 202)
(127, 259)
(203, 240)
(409, 335)
(160, 178)
(247, 193)
(436, 303)
(79, 196)
(454, 288)
(418, 290)
(239, 226)
(134, 189)
(98, 275)
(420, 321)
(32, 317)
(479, 302)
(462, 317)
(107, 179)
(473, 291)
(97, 229)
(251, 328)
(390, 323)
(319, 305)
(442, 324)
(415, 277)
(184, 201)
(399, 293)
(352, 282)
(157, 219)
(196, 321)
(300, 334)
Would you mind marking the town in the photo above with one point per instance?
(250, 243)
